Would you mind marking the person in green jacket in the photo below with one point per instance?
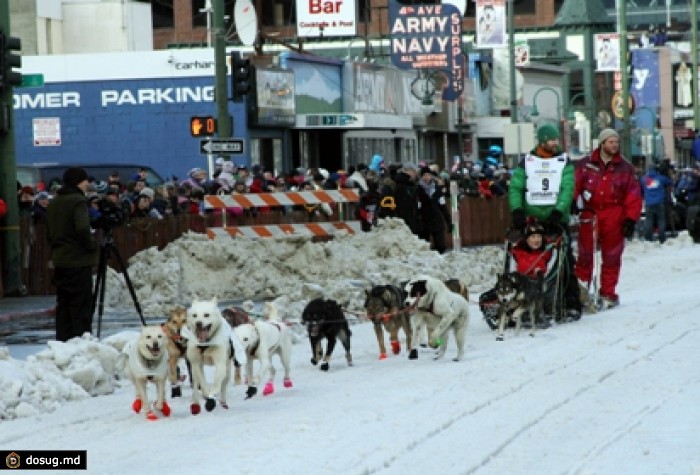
(542, 189)
(74, 252)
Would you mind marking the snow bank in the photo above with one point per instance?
(292, 268)
(76, 369)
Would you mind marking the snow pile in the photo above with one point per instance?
(76, 369)
(292, 269)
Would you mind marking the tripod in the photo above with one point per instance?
(108, 248)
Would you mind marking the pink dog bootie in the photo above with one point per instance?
(269, 389)
(287, 383)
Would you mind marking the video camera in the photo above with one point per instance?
(111, 215)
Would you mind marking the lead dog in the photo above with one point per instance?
(431, 295)
(518, 293)
(325, 319)
(177, 347)
(261, 339)
(384, 307)
(209, 343)
(146, 359)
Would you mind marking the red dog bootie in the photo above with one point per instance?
(287, 383)
(382, 356)
(151, 416)
(136, 405)
(166, 409)
(195, 409)
(269, 389)
(396, 347)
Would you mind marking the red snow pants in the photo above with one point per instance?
(611, 242)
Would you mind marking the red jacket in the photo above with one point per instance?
(531, 262)
(607, 188)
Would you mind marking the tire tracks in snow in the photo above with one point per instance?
(618, 433)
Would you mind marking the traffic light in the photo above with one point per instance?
(10, 58)
(242, 73)
(202, 126)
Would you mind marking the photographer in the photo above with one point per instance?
(74, 253)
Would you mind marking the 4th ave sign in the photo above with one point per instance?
(222, 146)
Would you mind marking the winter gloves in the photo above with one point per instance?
(628, 227)
(518, 216)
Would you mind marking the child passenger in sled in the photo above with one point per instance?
(531, 253)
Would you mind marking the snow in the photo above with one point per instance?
(613, 393)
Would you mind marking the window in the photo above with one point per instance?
(199, 17)
(162, 13)
(524, 7)
(278, 13)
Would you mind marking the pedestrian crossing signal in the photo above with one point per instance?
(202, 126)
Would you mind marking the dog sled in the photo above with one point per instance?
(553, 284)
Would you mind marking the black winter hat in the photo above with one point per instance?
(74, 176)
(533, 228)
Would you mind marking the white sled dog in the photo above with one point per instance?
(261, 339)
(431, 295)
(209, 343)
(144, 359)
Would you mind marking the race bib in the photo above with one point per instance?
(543, 179)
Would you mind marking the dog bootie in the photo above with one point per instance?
(195, 409)
(382, 356)
(396, 347)
(151, 416)
(287, 383)
(136, 405)
(175, 391)
(269, 389)
(165, 409)
(210, 404)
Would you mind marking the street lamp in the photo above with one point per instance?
(585, 128)
(535, 112)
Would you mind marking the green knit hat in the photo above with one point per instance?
(547, 132)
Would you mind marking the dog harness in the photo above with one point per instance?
(254, 349)
(145, 368)
(389, 305)
(176, 338)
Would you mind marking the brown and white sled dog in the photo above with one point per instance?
(146, 359)
(384, 307)
(431, 295)
(261, 339)
(177, 347)
(209, 343)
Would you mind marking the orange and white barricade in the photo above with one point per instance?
(248, 201)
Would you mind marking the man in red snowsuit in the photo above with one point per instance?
(606, 188)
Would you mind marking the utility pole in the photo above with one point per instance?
(9, 225)
(625, 84)
(694, 52)
(224, 126)
(511, 55)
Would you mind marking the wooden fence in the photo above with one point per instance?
(481, 222)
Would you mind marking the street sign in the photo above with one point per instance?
(222, 146)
